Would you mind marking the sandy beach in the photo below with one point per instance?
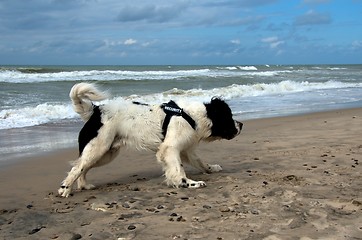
(296, 177)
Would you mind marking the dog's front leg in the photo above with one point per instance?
(189, 156)
(169, 157)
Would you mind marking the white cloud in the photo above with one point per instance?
(149, 43)
(130, 42)
(356, 44)
(111, 43)
(279, 52)
(274, 42)
(235, 41)
(269, 39)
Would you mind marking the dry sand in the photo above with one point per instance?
(293, 177)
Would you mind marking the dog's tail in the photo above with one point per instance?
(82, 95)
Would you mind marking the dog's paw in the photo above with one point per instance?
(87, 187)
(188, 183)
(64, 191)
(212, 168)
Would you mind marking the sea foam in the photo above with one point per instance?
(48, 112)
(16, 76)
(32, 116)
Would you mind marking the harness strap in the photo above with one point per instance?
(172, 109)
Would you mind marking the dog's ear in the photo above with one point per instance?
(220, 114)
(218, 103)
(218, 109)
(216, 99)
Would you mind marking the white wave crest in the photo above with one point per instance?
(32, 116)
(237, 91)
(248, 68)
(48, 112)
(244, 68)
(14, 76)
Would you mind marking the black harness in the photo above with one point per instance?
(172, 109)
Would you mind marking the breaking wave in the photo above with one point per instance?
(52, 112)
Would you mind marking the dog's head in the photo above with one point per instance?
(223, 124)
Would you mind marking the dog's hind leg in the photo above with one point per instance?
(189, 156)
(82, 181)
(92, 153)
(76, 171)
(106, 158)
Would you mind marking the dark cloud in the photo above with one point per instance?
(150, 12)
(43, 15)
(313, 18)
(192, 13)
(276, 27)
(114, 31)
(241, 3)
(247, 20)
(315, 1)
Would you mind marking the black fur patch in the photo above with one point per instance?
(140, 103)
(184, 183)
(90, 129)
(223, 124)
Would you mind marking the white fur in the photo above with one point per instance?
(81, 95)
(139, 127)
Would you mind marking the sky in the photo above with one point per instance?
(180, 32)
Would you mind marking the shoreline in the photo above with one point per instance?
(284, 177)
(62, 136)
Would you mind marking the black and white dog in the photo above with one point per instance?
(172, 130)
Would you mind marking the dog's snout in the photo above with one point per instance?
(240, 125)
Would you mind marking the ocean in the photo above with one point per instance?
(36, 114)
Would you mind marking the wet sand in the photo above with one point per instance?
(295, 177)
